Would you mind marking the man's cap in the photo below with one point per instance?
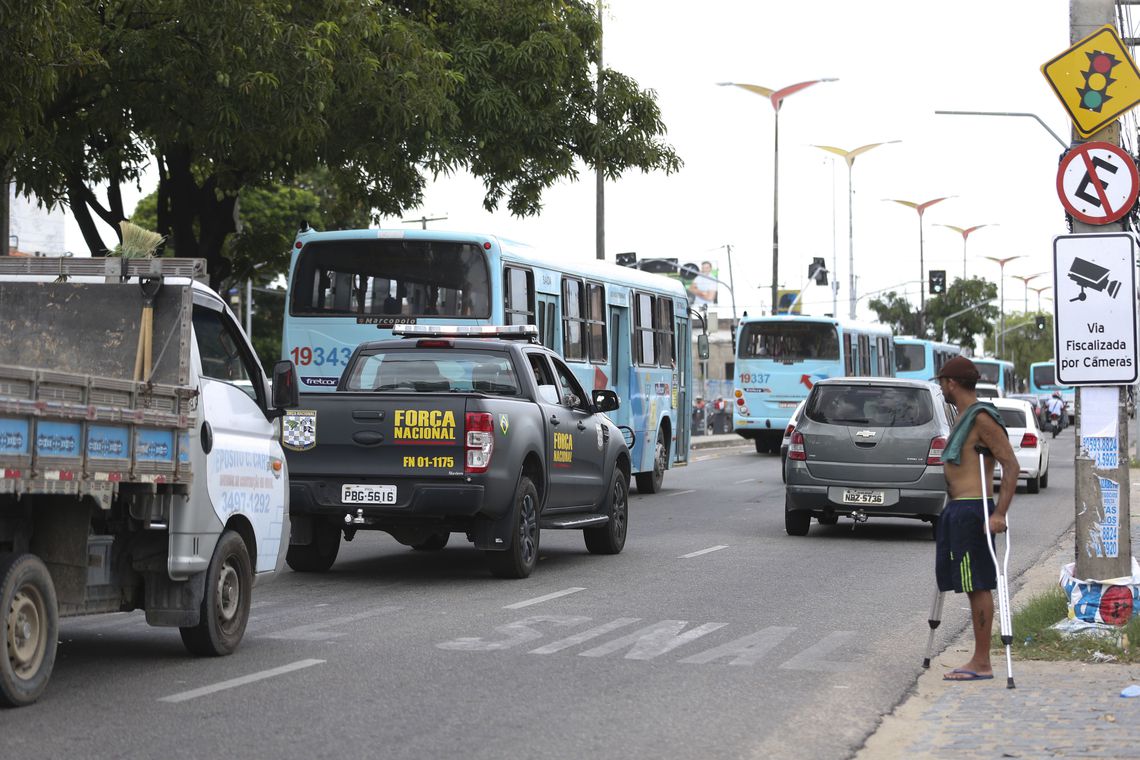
(959, 368)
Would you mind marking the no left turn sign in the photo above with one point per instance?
(1097, 182)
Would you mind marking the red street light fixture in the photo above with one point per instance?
(965, 233)
(849, 156)
(921, 209)
(776, 98)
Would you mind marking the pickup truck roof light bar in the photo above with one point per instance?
(505, 332)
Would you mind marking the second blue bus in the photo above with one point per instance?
(921, 359)
(1043, 383)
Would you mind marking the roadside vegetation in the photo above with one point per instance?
(1034, 637)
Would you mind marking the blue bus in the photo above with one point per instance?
(1043, 383)
(999, 372)
(921, 359)
(617, 327)
(779, 359)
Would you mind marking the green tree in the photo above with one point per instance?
(229, 97)
(895, 310)
(1025, 344)
(969, 307)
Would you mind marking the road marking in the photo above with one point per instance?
(319, 631)
(242, 681)
(746, 480)
(681, 493)
(545, 598)
(702, 551)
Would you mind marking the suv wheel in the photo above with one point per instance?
(796, 522)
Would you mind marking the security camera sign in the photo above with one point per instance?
(1094, 281)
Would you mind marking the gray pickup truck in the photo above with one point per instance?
(471, 430)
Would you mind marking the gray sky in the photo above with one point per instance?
(897, 62)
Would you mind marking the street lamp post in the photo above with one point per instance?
(1039, 291)
(776, 98)
(921, 209)
(849, 156)
(1001, 286)
(965, 233)
(1025, 281)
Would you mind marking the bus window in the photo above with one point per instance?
(789, 341)
(663, 331)
(381, 276)
(849, 361)
(864, 355)
(596, 322)
(910, 357)
(1044, 376)
(573, 320)
(643, 330)
(518, 289)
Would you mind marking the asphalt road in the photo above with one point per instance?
(713, 634)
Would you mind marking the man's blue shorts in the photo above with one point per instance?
(963, 563)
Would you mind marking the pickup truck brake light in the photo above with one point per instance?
(433, 343)
(479, 435)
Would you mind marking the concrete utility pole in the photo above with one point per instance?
(600, 170)
(1085, 17)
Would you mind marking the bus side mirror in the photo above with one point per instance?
(703, 346)
(285, 393)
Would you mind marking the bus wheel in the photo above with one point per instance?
(225, 605)
(29, 622)
(432, 543)
(760, 445)
(650, 482)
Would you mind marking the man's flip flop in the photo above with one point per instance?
(969, 675)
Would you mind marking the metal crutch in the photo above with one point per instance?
(1005, 622)
(933, 621)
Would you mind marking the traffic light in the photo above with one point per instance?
(817, 270)
(1040, 323)
(627, 259)
(1098, 77)
(937, 281)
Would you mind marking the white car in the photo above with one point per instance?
(988, 391)
(1029, 443)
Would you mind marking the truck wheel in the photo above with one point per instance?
(650, 482)
(225, 605)
(320, 555)
(432, 543)
(521, 556)
(610, 538)
(30, 618)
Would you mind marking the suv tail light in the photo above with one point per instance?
(1029, 441)
(790, 429)
(934, 456)
(479, 437)
(796, 450)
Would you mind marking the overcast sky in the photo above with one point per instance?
(897, 61)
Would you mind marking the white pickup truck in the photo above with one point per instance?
(140, 457)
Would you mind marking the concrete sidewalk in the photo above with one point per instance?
(1059, 709)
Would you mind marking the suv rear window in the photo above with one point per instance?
(1013, 418)
(426, 371)
(870, 405)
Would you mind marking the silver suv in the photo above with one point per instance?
(867, 447)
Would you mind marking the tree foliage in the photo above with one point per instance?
(969, 306)
(230, 97)
(1025, 344)
(895, 310)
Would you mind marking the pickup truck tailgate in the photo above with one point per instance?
(386, 436)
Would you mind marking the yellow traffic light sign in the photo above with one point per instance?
(1096, 80)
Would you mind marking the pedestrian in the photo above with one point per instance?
(1056, 409)
(963, 563)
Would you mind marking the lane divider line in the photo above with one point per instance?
(703, 551)
(681, 493)
(544, 598)
(233, 683)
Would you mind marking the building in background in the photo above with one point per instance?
(33, 230)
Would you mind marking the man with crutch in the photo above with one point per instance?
(964, 563)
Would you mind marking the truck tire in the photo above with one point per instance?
(650, 482)
(610, 538)
(520, 558)
(225, 605)
(432, 543)
(320, 555)
(29, 623)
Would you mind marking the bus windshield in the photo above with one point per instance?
(1045, 376)
(910, 357)
(988, 371)
(789, 341)
(410, 278)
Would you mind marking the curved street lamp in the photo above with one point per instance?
(965, 233)
(776, 98)
(849, 156)
(1025, 279)
(1001, 264)
(921, 209)
(1039, 291)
